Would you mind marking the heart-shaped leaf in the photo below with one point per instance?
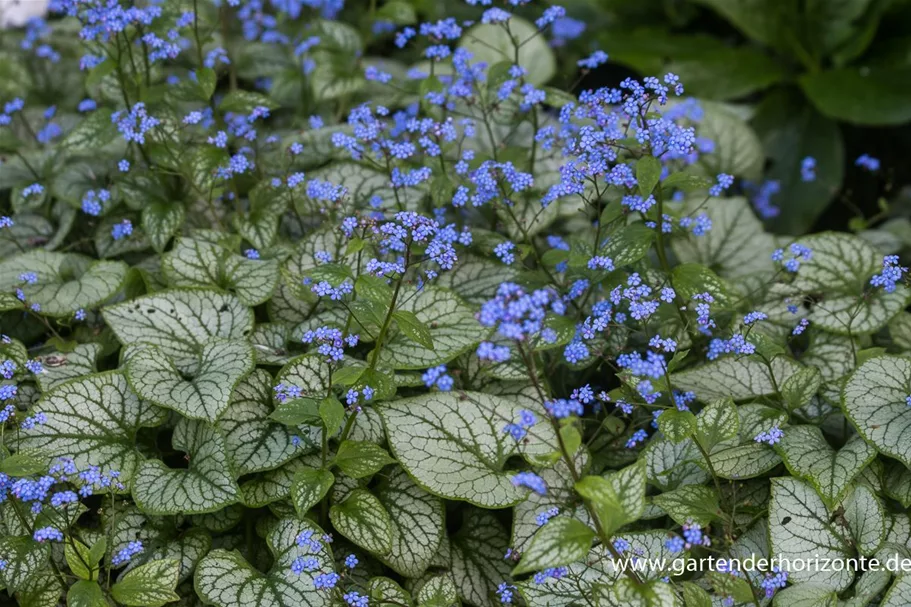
(222, 365)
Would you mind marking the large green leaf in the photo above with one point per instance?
(222, 365)
(93, 420)
(869, 96)
(738, 150)
(874, 399)
(800, 528)
(452, 326)
(180, 322)
(24, 557)
(455, 447)
(206, 485)
(808, 456)
(417, 523)
(226, 579)
(767, 21)
(791, 130)
(65, 283)
(708, 74)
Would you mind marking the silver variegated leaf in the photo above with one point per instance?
(808, 456)
(180, 322)
(417, 523)
(207, 485)
(66, 282)
(874, 399)
(222, 365)
(866, 518)
(254, 442)
(363, 519)
(94, 421)
(800, 526)
(840, 271)
(60, 367)
(452, 326)
(453, 445)
(226, 579)
(739, 378)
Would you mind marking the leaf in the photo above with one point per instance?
(455, 448)
(491, 43)
(477, 563)
(694, 596)
(738, 378)
(417, 523)
(452, 326)
(60, 367)
(222, 365)
(149, 585)
(359, 459)
(161, 221)
(207, 485)
(874, 400)
(872, 96)
(866, 519)
(559, 542)
(840, 271)
(226, 579)
(738, 150)
(707, 74)
(187, 549)
(806, 595)
(362, 519)
(195, 263)
(766, 21)
(808, 456)
(243, 102)
(438, 591)
(253, 442)
(476, 279)
(309, 487)
(23, 463)
(85, 594)
(677, 425)
(628, 593)
(790, 130)
(897, 592)
(648, 173)
(92, 133)
(690, 502)
(799, 526)
(65, 283)
(717, 422)
(94, 421)
(180, 322)
(413, 328)
(25, 557)
(798, 389)
(736, 244)
(332, 413)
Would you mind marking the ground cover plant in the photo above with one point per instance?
(313, 304)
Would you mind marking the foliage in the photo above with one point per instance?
(808, 68)
(314, 305)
